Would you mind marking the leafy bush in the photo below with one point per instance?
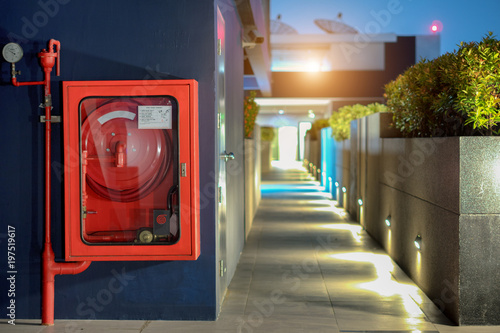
(479, 93)
(340, 121)
(267, 133)
(454, 94)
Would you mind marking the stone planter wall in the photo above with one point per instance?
(312, 151)
(265, 155)
(342, 151)
(367, 132)
(252, 180)
(445, 189)
(448, 191)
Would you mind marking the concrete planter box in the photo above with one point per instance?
(265, 155)
(445, 189)
(365, 150)
(312, 151)
(448, 191)
(342, 151)
(252, 181)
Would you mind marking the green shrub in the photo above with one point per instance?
(340, 121)
(454, 94)
(267, 133)
(422, 98)
(479, 90)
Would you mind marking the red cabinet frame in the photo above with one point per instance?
(92, 112)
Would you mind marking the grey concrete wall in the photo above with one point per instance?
(419, 189)
(252, 178)
(265, 155)
(446, 190)
(372, 129)
(428, 168)
(342, 166)
(479, 287)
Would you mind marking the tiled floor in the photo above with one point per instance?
(305, 268)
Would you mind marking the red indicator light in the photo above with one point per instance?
(436, 26)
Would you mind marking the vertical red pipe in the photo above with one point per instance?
(48, 254)
(50, 268)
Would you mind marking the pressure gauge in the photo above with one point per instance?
(12, 52)
(145, 235)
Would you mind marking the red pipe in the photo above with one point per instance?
(50, 268)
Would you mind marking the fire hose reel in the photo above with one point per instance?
(133, 193)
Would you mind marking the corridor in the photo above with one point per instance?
(305, 268)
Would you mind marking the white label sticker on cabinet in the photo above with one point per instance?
(155, 117)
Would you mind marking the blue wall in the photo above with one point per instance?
(103, 40)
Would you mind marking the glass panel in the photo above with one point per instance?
(129, 174)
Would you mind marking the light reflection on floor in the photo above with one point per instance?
(288, 165)
(385, 285)
(330, 206)
(355, 229)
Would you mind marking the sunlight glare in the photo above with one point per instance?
(313, 66)
(288, 165)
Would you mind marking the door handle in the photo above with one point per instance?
(226, 157)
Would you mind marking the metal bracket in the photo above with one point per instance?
(53, 119)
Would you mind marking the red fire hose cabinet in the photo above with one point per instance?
(131, 170)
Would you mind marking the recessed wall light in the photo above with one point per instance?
(418, 242)
(344, 189)
(360, 202)
(388, 221)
